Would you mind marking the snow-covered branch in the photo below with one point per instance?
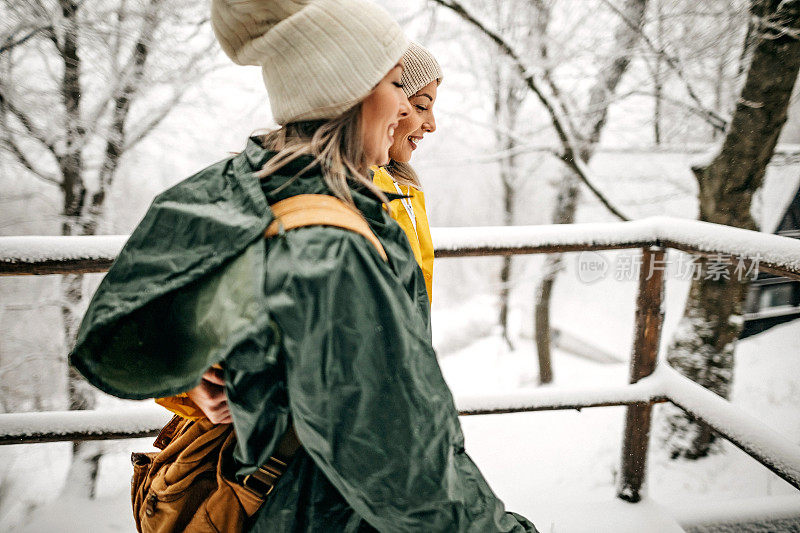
(13, 40)
(716, 121)
(570, 151)
(23, 160)
(32, 130)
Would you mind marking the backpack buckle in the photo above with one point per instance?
(263, 481)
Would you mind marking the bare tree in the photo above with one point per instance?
(577, 144)
(703, 348)
(508, 93)
(551, 100)
(601, 95)
(672, 63)
(76, 94)
(508, 97)
(693, 46)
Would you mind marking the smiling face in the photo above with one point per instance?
(381, 112)
(412, 128)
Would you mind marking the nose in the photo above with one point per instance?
(405, 108)
(429, 125)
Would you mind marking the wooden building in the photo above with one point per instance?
(774, 300)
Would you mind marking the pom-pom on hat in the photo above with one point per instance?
(419, 69)
(318, 57)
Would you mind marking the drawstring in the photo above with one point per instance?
(407, 205)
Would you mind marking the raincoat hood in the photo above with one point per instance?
(138, 325)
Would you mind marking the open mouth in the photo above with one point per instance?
(414, 142)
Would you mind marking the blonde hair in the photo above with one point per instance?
(403, 174)
(335, 145)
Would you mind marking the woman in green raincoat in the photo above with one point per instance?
(421, 78)
(313, 328)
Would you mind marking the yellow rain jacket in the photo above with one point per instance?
(181, 404)
(419, 237)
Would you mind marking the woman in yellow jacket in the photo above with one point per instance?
(421, 78)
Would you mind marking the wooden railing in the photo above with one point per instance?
(650, 383)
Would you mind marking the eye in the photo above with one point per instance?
(421, 107)
(398, 84)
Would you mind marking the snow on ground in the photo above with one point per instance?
(558, 468)
(106, 513)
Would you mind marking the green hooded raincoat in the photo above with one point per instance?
(312, 326)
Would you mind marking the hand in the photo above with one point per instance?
(210, 397)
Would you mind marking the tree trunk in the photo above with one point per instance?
(505, 293)
(566, 205)
(541, 312)
(658, 76)
(600, 96)
(509, 179)
(658, 89)
(82, 473)
(70, 35)
(508, 97)
(703, 348)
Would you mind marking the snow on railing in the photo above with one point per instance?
(53, 255)
(697, 514)
(37, 248)
(771, 251)
(772, 449)
(58, 255)
(745, 431)
(132, 422)
(546, 399)
(101, 424)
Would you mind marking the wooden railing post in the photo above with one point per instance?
(647, 336)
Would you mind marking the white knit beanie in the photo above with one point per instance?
(318, 57)
(419, 69)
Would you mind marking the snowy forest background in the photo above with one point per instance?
(104, 104)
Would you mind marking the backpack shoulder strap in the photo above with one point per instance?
(320, 210)
(297, 212)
